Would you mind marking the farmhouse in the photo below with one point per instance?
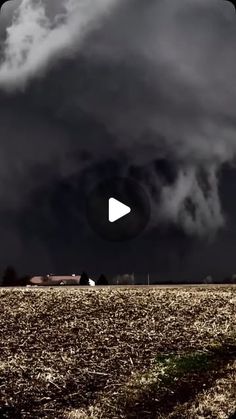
(58, 280)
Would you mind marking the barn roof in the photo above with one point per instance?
(55, 279)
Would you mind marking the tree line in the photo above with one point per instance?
(10, 278)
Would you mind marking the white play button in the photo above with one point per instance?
(117, 210)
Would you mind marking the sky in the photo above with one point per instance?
(146, 90)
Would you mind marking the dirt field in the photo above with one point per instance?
(118, 353)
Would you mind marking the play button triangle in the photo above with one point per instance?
(117, 210)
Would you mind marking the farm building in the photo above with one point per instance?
(58, 280)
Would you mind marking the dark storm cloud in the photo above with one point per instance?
(136, 88)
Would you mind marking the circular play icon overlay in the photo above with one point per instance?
(118, 209)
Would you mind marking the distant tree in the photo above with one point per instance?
(208, 280)
(84, 279)
(233, 277)
(10, 277)
(126, 279)
(102, 280)
(227, 280)
(23, 281)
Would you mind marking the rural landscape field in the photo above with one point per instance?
(122, 352)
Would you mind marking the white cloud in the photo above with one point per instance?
(33, 39)
(206, 217)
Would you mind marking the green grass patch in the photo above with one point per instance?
(179, 365)
(176, 377)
